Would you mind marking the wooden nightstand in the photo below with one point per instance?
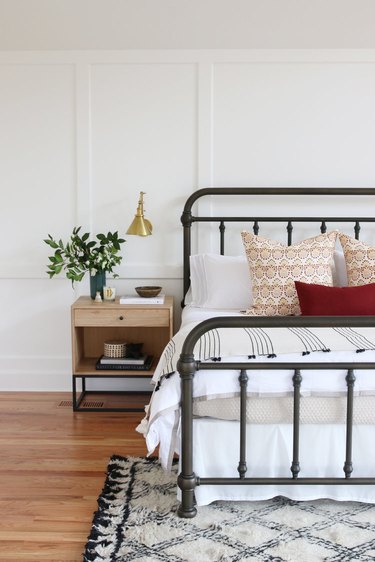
(94, 323)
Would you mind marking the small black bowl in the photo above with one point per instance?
(147, 292)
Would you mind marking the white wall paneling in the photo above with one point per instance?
(37, 164)
(82, 132)
(143, 124)
(296, 121)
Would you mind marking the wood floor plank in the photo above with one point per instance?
(52, 469)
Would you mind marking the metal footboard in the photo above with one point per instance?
(188, 367)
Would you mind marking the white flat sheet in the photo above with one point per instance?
(196, 314)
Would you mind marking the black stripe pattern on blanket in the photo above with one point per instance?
(249, 343)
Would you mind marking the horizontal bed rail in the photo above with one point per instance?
(335, 191)
(251, 365)
(283, 481)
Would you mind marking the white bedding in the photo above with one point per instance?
(196, 314)
(161, 425)
(322, 453)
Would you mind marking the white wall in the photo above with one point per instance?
(82, 132)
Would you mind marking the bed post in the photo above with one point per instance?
(186, 479)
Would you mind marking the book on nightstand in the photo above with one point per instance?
(141, 360)
(117, 364)
(134, 299)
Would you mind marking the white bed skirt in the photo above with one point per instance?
(269, 453)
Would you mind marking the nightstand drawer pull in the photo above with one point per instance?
(121, 318)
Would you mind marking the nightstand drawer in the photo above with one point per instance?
(122, 317)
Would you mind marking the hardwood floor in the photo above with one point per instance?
(52, 469)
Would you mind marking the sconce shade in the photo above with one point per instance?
(140, 226)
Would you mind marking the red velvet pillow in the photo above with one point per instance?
(320, 300)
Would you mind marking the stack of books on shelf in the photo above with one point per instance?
(142, 363)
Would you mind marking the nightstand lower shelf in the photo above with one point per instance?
(85, 400)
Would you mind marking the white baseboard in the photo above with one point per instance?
(54, 374)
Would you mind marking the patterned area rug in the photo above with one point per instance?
(136, 521)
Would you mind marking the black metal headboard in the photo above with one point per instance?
(187, 218)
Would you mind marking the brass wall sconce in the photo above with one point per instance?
(140, 226)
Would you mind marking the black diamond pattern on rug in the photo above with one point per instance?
(136, 521)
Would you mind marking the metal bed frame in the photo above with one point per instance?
(188, 366)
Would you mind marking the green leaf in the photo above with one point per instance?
(51, 243)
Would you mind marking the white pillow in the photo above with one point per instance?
(221, 282)
(198, 290)
(340, 276)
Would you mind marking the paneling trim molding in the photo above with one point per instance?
(187, 56)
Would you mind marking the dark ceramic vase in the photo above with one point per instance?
(97, 282)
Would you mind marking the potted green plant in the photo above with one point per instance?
(81, 255)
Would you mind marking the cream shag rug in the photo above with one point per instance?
(136, 521)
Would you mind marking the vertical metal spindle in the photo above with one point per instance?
(357, 228)
(323, 227)
(256, 228)
(297, 379)
(290, 230)
(348, 465)
(222, 232)
(243, 378)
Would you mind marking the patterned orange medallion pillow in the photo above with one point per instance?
(274, 267)
(360, 261)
